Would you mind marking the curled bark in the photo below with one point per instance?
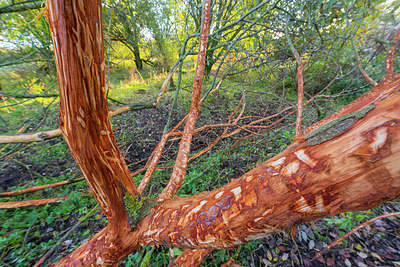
(77, 34)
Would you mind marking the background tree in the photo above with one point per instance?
(133, 21)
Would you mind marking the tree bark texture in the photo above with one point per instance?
(355, 169)
(84, 120)
(348, 161)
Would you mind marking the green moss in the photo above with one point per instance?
(137, 208)
(336, 127)
(132, 204)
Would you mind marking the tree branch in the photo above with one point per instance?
(22, 6)
(179, 170)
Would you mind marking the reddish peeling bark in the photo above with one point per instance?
(191, 257)
(76, 28)
(364, 74)
(348, 161)
(355, 170)
(390, 55)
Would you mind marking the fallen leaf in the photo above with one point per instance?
(359, 247)
(285, 257)
(311, 244)
(304, 235)
(362, 254)
(376, 256)
(295, 258)
(266, 262)
(330, 262)
(269, 255)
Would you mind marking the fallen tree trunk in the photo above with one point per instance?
(353, 169)
(348, 161)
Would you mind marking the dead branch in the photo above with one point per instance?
(25, 203)
(38, 188)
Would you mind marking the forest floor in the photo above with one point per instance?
(27, 233)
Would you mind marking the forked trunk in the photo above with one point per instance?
(348, 161)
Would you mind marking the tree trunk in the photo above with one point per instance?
(84, 120)
(138, 60)
(348, 161)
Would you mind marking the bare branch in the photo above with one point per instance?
(182, 159)
(25, 203)
(390, 54)
(21, 6)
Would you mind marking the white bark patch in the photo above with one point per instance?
(150, 232)
(277, 163)
(249, 178)
(319, 204)
(380, 137)
(81, 121)
(291, 168)
(100, 261)
(194, 210)
(237, 192)
(268, 211)
(103, 132)
(81, 112)
(302, 206)
(207, 239)
(190, 243)
(217, 196)
(172, 214)
(301, 155)
(258, 219)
